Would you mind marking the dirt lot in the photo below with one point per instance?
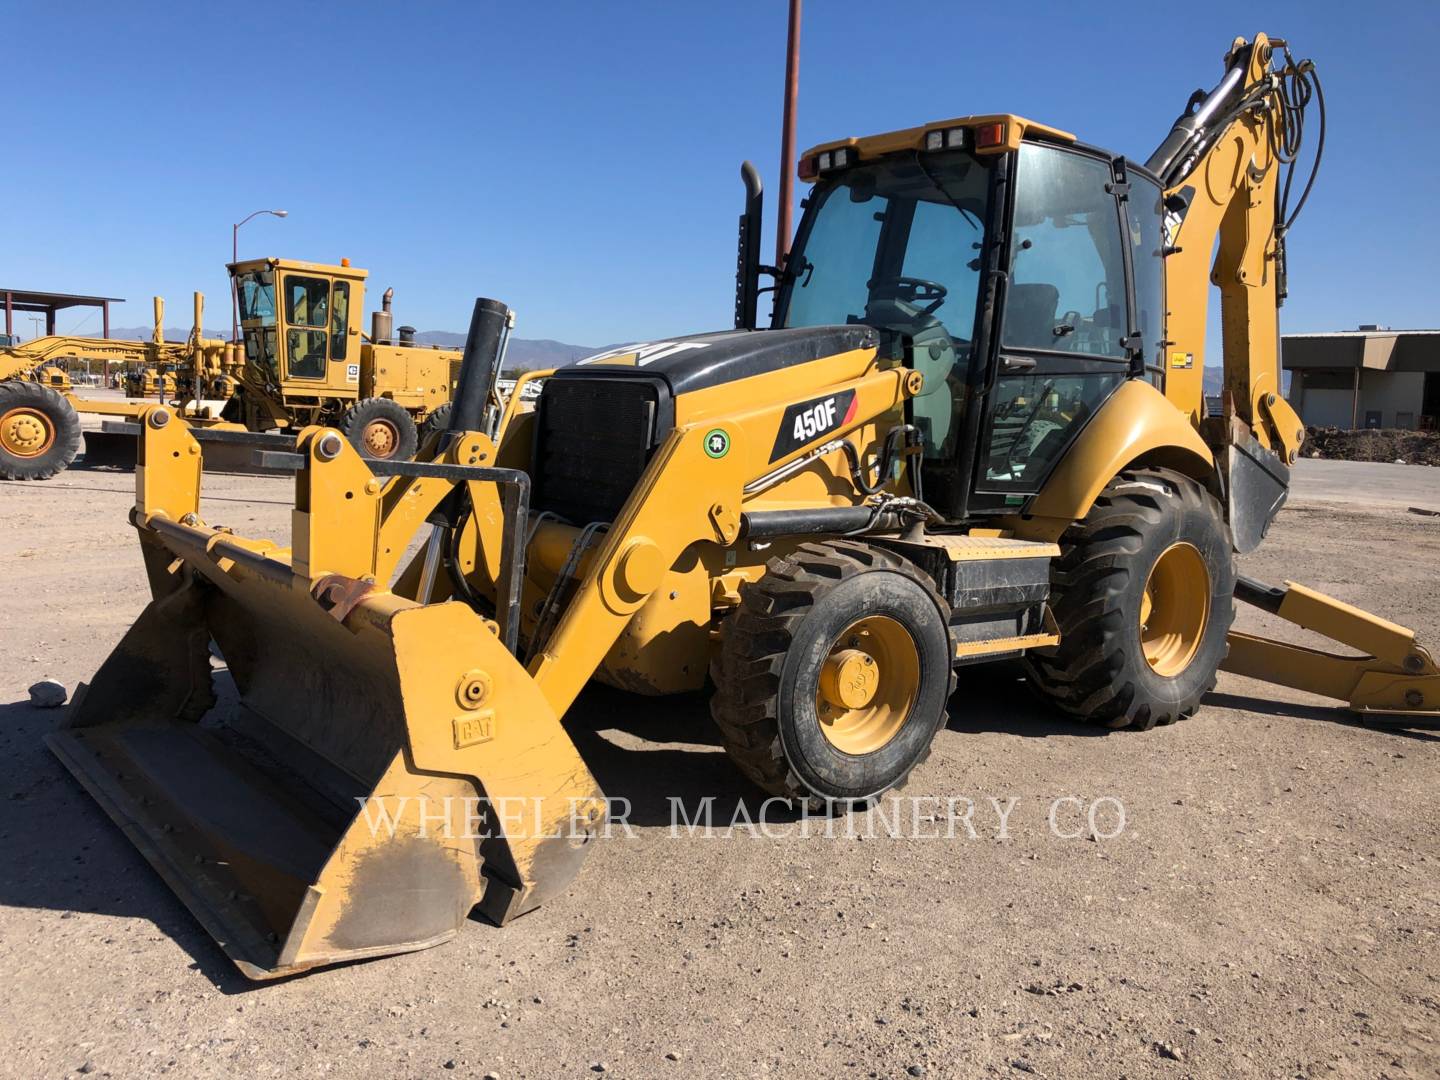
(1267, 910)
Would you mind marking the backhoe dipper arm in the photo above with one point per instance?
(1225, 169)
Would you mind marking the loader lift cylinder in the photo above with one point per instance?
(479, 365)
(479, 368)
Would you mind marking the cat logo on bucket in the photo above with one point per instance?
(474, 728)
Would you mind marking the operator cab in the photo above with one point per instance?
(297, 319)
(1019, 272)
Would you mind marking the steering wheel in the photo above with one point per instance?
(912, 290)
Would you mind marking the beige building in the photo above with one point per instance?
(1367, 378)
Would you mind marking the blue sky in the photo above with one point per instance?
(580, 160)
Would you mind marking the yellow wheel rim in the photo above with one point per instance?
(1175, 609)
(26, 432)
(867, 685)
(380, 438)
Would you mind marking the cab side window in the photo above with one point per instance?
(1066, 328)
(307, 317)
(1067, 291)
(339, 319)
(1147, 256)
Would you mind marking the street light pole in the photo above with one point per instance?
(234, 258)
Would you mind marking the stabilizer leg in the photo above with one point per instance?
(1392, 673)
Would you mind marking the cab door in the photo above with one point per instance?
(316, 313)
(1066, 336)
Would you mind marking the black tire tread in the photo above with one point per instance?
(17, 392)
(352, 424)
(1079, 675)
(755, 637)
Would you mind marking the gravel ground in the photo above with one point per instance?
(1266, 910)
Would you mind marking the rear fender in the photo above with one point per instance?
(1137, 426)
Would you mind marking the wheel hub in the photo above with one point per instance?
(849, 679)
(1175, 609)
(867, 685)
(380, 438)
(25, 432)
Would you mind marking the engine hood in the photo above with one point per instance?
(700, 361)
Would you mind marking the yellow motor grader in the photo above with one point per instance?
(39, 422)
(305, 361)
(973, 430)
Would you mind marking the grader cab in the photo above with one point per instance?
(307, 360)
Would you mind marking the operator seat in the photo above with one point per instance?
(1030, 316)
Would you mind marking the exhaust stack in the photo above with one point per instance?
(382, 322)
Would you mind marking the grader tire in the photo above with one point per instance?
(380, 428)
(39, 431)
(831, 620)
(437, 421)
(1143, 595)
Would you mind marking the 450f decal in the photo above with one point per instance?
(807, 421)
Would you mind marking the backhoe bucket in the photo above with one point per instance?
(387, 767)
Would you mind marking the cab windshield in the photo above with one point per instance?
(255, 292)
(896, 244)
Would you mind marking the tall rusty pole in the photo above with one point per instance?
(787, 137)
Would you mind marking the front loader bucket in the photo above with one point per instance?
(387, 767)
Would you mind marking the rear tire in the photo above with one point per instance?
(380, 429)
(39, 431)
(834, 620)
(1144, 597)
(436, 422)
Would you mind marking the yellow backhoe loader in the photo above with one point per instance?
(305, 361)
(970, 432)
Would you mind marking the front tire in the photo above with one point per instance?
(39, 431)
(1144, 597)
(380, 429)
(833, 674)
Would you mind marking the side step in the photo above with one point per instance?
(998, 589)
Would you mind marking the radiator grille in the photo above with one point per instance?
(594, 439)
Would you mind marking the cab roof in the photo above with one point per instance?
(344, 269)
(1013, 130)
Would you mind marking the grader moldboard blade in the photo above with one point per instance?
(391, 766)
